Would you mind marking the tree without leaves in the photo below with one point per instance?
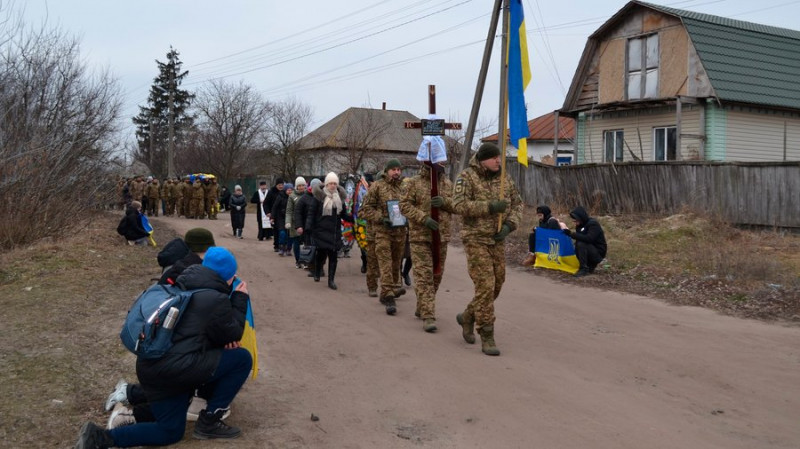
(155, 116)
(57, 123)
(231, 125)
(287, 125)
(360, 138)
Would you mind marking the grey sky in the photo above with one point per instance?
(334, 55)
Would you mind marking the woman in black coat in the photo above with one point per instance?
(238, 207)
(278, 217)
(326, 226)
(131, 227)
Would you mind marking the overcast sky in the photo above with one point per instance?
(333, 55)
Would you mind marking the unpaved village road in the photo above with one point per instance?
(580, 368)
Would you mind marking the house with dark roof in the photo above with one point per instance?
(659, 84)
(362, 140)
(548, 135)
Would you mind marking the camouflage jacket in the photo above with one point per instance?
(137, 190)
(198, 192)
(154, 190)
(416, 206)
(473, 190)
(374, 208)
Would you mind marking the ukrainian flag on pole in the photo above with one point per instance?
(519, 75)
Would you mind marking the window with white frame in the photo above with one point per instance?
(642, 67)
(665, 143)
(612, 145)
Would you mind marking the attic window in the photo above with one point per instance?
(642, 67)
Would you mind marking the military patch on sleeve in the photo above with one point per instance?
(460, 185)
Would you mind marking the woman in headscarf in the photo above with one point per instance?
(325, 224)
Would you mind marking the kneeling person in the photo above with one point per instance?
(206, 353)
(590, 240)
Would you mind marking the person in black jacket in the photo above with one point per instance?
(278, 218)
(302, 210)
(198, 240)
(224, 198)
(269, 201)
(131, 227)
(205, 352)
(326, 225)
(547, 221)
(238, 206)
(590, 240)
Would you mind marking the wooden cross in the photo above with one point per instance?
(432, 127)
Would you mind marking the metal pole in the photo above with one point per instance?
(476, 101)
(171, 145)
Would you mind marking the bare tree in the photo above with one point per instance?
(57, 123)
(231, 125)
(287, 125)
(361, 137)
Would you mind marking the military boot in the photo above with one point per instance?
(389, 303)
(467, 322)
(487, 340)
(429, 325)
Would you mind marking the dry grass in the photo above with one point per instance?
(693, 260)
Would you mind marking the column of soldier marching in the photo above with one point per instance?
(397, 215)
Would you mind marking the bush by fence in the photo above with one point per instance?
(758, 193)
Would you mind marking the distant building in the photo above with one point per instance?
(361, 140)
(542, 140)
(660, 84)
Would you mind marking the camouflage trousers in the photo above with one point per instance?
(153, 204)
(187, 206)
(373, 273)
(170, 206)
(389, 248)
(211, 209)
(426, 284)
(179, 206)
(486, 265)
(196, 208)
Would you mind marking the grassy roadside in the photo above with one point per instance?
(61, 305)
(688, 259)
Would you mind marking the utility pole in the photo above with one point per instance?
(171, 137)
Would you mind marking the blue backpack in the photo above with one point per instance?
(144, 333)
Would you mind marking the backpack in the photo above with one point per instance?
(144, 333)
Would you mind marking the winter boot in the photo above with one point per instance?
(487, 340)
(331, 275)
(429, 325)
(398, 292)
(210, 426)
(317, 272)
(388, 302)
(529, 260)
(467, 321)
(92, 436)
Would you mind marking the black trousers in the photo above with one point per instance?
(588, 255)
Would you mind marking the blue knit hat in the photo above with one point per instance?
(221, 261)
(287, 186)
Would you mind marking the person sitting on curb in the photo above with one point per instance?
(590, 240)
(547, 221)
(206, 351)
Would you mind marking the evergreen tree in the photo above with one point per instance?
(155, 116)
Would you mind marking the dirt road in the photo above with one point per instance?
(579, 368)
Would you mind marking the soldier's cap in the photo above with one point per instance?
(392, 163)
(487, 150)
(199, 239)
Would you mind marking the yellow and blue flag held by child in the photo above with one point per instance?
(249, 337)
(148, 228)
(554, 250)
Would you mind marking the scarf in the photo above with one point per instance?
(332, 200)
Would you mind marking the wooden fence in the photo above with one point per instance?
(758, 193)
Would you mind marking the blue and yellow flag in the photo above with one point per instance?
(148, 228)
(249, 338)
(519, 75)
(555, 250)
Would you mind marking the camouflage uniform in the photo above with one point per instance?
(373, 272)
(188, 192)
(198, 196)
(416, 206)
(137, 189)
(212, 193)
(153, 196)
(177, 187)
(169, 194)
(389, 242)
(474, 189)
